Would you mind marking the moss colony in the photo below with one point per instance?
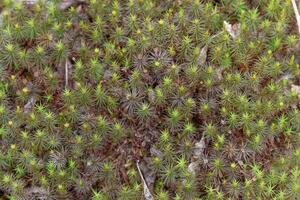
(149, 99)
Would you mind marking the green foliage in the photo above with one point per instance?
(203, 96)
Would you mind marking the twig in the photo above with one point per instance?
(66, 74)
(297, 14)
(213, 37)
(147, 193)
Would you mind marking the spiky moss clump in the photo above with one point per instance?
(207, 111)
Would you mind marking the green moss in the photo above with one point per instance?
(202, 96)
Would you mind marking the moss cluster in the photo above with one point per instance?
(191, 99)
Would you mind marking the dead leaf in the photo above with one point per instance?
(147, 193)
(241, 163)
(219, 72)
(37, 193)
(198, 156)
(69, 3)
(155, 152)
(29, 2)
(233, 30)
(199, 149)
(151, 95)
(203, 55)
(66, 4)
(29, 105)
(193, 167)
(296, 88)
(36, 74)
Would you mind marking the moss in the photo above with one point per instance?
(202, 95)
